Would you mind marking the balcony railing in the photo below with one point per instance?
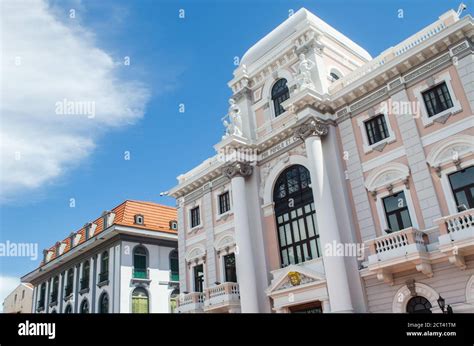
(398, 251)
(54, 297)
(174, 277)
(224, 295)
(40, 305)
(103, 277)
(456, 236)
(84, 283)
(190, 302)
(458, 225)
(141, 274)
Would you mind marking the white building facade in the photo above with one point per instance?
(20, 300)
(124, 262)
(343, 183)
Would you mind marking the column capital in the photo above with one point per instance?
(233, 169)
(310, 128)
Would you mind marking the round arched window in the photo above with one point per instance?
(419, 305)
(295, 214)
(140, 301)
(104, 303)
(280, 93)
(85, 307)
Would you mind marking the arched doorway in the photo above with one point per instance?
(140, 301)
(419, 305)
(85, 307)
(104, 303)
(295, 214)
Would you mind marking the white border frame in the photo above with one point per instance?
(381, 209)
(444, 77)
(446, 185)
(189, 207)
(229, 212)
(365, 138)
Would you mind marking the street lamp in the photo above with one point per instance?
(441, 303)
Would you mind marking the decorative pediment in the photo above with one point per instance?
(196, 253)
(224, 241)
(295, 276)
(450, 150)
(388, 175)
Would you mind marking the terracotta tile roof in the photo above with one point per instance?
(156, 217)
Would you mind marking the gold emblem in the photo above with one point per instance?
(295, 278)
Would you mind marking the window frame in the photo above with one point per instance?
(397, 212)
(303, 199)
(203, 285)
(446, 185)
(375, 129)
(381, 210)
(224, 267)
(279, 95)
(199, 224)
(361, 122)
(434, 91)
(443, 77)
(220, 210)
(143, 271)
(466, 188)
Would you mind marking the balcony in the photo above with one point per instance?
(456, 239)
(190, 303)
(67, 291)
(399, 251)
(103, 278)
(141, 275)
(224, 297)
(84, 284)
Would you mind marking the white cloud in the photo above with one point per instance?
(45, 61)
(7, 285)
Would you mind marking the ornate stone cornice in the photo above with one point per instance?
(234, 169)
(310, 128)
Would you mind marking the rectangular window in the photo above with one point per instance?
(437, 99)
(376, 128)
(230, 270)
(198, 278)
(195, 217)
(396, 211)
(462, 185)
(224, 202)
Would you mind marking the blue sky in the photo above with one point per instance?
(177, 61)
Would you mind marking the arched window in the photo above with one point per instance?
(85, 307)
(55, 290)
(419, 305)
(174, 265)
(280, 93)
(104, 303)
(42, 296)
(295, 214)
(140, 262)
(174, 300)
(68, 309)
(86, 267)
(104, 267)
(69, 282)
(140, 301)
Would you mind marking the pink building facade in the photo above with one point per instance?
(343, 183)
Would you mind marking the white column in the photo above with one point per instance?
(244, 258)
(326, 306)
(334, 266)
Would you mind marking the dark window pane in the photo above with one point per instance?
(376, 129)
(437, 99)
(280, 93)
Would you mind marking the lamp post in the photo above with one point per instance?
(442, 305)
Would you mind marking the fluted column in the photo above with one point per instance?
(244, 257)
(336, 277)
